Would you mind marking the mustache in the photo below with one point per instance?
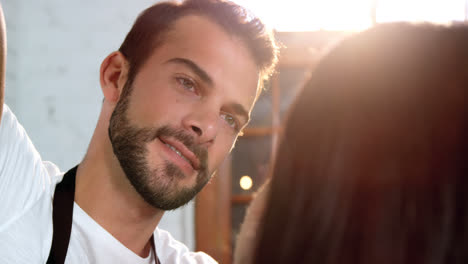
(185, 138)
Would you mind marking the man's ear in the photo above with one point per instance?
(113, 75)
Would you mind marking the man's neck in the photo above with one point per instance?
(106, 195)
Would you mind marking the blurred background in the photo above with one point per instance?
(55, 49)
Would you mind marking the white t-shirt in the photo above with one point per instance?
(27, 187)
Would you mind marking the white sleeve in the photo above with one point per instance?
(23, 176)
(169, 250)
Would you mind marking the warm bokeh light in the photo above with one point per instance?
(351, 15)
(246, 182)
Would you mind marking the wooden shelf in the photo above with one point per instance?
(241, 198)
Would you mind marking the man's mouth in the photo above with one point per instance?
(182, 151)
(178, 152)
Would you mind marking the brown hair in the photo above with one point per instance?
(151, 25)
(373, 164)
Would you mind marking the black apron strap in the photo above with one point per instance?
(62, 215)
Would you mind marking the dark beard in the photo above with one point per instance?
(129, 146)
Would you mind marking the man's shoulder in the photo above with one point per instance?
(170, 250)
(54, 172)
(26, 180)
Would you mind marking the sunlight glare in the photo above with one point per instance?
(351, 15)
(436, 11)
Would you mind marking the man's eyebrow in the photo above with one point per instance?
(194, 67)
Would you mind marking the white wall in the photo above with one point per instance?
(55, 48)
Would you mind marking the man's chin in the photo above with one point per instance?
(167, 201)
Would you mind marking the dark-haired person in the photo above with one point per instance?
(373, 163)
(176, 95)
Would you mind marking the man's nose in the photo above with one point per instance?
(203, 123)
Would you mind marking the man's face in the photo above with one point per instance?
(187, 104)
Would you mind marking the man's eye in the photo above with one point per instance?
(186, 83)
(230, 120)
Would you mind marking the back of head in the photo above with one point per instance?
(372, 165)
(151, 26)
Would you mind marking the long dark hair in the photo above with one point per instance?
(372, 167)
